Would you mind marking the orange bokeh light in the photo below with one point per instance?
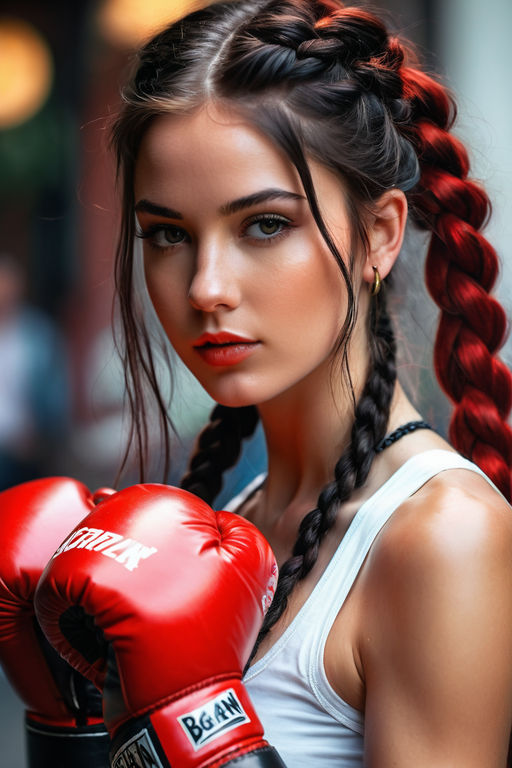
(26, 72)
(128, 23)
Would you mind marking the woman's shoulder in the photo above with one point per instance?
(454, 516)
(445, 551)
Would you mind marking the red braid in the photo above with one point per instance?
(461, 269)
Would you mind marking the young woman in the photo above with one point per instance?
(270, 155)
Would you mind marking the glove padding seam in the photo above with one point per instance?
(54, 735)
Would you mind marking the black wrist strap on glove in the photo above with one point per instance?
(266, 757)
(49, 746)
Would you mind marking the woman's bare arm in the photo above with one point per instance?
(437, 655)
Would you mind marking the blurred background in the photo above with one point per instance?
(61, 387)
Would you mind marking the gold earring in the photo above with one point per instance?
(377, 282)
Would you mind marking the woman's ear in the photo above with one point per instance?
(385, 233)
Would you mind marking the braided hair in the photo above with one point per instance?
(461, 270)
(327, 82)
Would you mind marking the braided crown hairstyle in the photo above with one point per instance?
(328, 82)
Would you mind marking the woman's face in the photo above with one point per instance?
(244, 285)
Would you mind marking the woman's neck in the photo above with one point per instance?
(306, 432)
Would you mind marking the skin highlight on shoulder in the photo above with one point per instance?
(455, 515)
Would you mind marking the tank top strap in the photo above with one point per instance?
(376, 511)
(236, 502)
(329, 594)
(346, 563)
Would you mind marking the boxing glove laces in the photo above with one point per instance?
(158, 600)
(63, 721)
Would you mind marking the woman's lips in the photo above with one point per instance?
(223, 348)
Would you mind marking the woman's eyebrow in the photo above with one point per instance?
(257, 198)
(146, 206)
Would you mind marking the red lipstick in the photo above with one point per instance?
(224, 348)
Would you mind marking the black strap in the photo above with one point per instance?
(50, 746)
(405, 429)
(266, 757)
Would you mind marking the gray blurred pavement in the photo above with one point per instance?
(12, 745)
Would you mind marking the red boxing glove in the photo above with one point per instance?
(158, 600)
(63, 719)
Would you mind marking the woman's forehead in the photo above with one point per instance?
(207, 131)
(211, 149)
(216, 152)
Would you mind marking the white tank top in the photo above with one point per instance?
(304, 719)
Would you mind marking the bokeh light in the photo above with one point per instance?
(26, 72)
(127, 23)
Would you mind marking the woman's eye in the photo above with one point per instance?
(164, 237)
(266, 227)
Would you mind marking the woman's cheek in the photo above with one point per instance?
(161, 290)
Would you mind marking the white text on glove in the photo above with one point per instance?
(128, 552)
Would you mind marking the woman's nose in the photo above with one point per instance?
(214, 284)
